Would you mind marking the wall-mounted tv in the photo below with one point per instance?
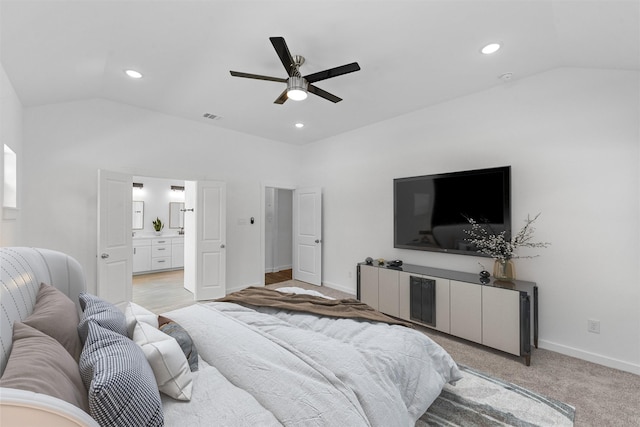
(430, 212)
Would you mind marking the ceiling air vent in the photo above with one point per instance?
(211, 116)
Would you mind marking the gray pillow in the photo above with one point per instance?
(103, 313)
(56, 315)
(40, 364)
(176, 331)
(122, 387)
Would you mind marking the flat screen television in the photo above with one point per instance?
(430, 212)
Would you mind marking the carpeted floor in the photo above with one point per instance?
(601, 396)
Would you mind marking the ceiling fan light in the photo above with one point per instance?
(296, 88)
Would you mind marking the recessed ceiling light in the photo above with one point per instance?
(490, 48)
(299, 125)
(133, 74)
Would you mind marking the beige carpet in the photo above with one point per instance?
(602, 396)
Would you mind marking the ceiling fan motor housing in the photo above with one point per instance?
(297, 88)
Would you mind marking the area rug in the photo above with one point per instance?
(481, 400)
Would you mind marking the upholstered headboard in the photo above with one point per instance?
(22, 270)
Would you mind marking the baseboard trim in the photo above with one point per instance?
(278, 268)
(590, 357)
(241, 287)
(339, 288)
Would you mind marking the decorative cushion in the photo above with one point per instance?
(167, 360)
(56, 315)
(122, 388)
(102, 312)
(137, 313)
(176, 331)
(40, 364)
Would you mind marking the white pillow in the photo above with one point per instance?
(137, 313)
(167, 360)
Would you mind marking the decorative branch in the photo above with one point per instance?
(497, 245)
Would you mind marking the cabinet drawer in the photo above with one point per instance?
(160, 263)
(164, 250)
(161, 242)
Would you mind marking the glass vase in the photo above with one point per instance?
(504, 269)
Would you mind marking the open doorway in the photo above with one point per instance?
(278, 235)
(158, 255)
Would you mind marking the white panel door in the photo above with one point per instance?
(307, 235)
(114, 258)
(206, 230)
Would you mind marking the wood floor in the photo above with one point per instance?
(161, 292)
(277, 277)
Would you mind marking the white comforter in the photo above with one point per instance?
(274, 367)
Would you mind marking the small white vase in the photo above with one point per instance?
(158, 233)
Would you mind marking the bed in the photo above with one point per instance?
(234, 363)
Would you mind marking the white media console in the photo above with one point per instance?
(501, 315)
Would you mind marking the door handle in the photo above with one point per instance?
(104, 256)
(222, 246)
(318, 240)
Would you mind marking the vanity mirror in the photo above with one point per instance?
(137, 222)
(176, 214)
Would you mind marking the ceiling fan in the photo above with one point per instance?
(297, 84)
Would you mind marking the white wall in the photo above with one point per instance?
(11, 135)
(571, 137)
(66, 144)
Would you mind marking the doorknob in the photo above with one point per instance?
(222, 246)
(104, 256)
(318, 240)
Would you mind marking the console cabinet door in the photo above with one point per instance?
(388, 292)
(369, 285)
(466, 310)
(442, 300)
(501, 319)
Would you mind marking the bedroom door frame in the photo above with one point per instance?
(316, 278)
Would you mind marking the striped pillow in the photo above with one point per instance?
(103, 313)
(122, 387)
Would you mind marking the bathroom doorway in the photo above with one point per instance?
(278, 235)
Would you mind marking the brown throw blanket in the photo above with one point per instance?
(345, 308)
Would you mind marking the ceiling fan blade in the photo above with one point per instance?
(323, 93)
(257, 76)
(282, 98)
(332, 72)
(283, 53)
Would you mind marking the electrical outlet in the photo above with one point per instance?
(593, 326)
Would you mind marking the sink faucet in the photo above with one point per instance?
(181, 232)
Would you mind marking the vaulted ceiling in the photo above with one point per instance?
(413, 54)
